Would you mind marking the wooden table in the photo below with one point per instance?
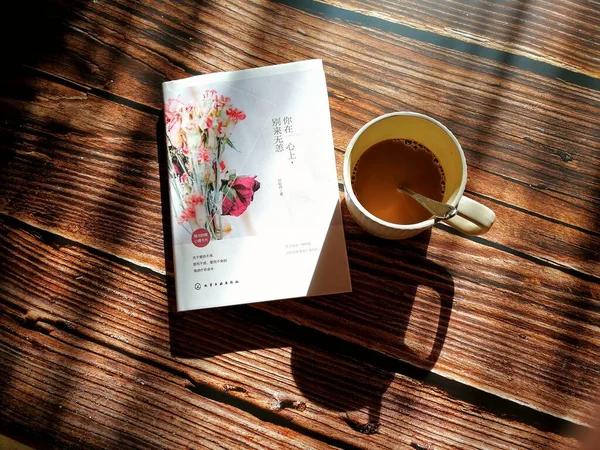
(446, 342)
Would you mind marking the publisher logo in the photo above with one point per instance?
(215, 284)
(201, 237)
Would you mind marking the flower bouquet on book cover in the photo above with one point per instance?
(206, 189)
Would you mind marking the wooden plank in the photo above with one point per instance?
(491, 287)
(116, 160)
(471, 313)
(87, 342)
(79, 394)
(538, 133)
(93, 147)
(562, 33)
(108, 205)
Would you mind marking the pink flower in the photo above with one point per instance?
(187, 214)
(222, 166)
(184, 178)
(194, 199)
(239, 195)
(181, 143)
(222, 101)
(209, 101)
(203, 155)
(235, 114)
(173, 109)
(178, 138)
(195, 124)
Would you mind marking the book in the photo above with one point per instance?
(255, 202)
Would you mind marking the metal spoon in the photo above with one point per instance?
(439, 210)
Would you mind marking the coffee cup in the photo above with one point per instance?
(472, 218)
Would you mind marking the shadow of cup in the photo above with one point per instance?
(342, 384)
(405, 301)
(423, 323)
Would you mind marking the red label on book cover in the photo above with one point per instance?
(201, 237)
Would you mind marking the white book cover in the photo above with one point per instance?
(255, 205)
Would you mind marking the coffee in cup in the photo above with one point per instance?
(389, 164)
(420, 153)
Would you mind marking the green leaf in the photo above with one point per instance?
(231, 194)
(231, 144)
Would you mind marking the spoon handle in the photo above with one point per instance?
(437, 209)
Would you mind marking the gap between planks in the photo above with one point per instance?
(482, 241)
(538, 67)
(484, 400)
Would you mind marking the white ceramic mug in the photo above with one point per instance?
(472, 218)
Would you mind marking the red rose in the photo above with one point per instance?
(239, 193)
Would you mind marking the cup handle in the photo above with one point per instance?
(473, 218)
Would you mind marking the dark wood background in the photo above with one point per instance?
(446, 342)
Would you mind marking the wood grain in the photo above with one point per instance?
(116, 160)
(95, 149)
(515, 329)
(507, 312)
(533, 135)
(514, 313)
(562, 33)
(87, 341)
(73, 393)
